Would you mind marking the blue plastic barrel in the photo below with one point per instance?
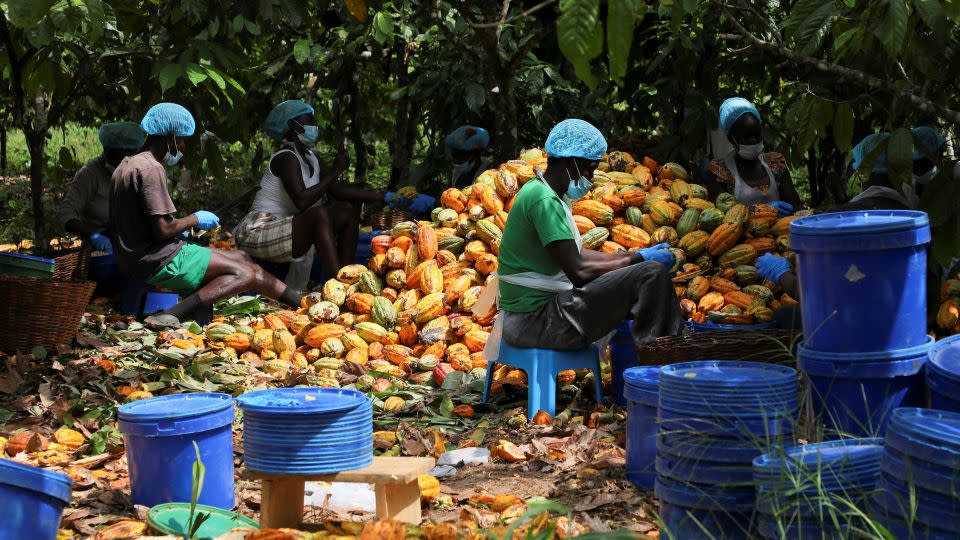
(855, 393)
(158, 301)
(306, 430)
(158, 435)
(623, 355)
(943, 374)
(640, 393)
(863, 280)
(33, 500)
(690, 511)
(711, 326)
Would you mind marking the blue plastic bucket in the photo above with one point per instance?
(900, 529)
(701, 447)
(158, 435)
(33, 500)
(932, 509)
(158, 301)
(640, 393)
(918, 471)
(306, 430)
(863, 280)
(943, 374)
(799, 528)
(855, 393)
(623, 355)
(105, 272)
(693, 511)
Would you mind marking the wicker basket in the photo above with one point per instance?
(40, 311)
(72, 265)
(768, 346)
(381, 221)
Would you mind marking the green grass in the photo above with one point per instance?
(83, 141)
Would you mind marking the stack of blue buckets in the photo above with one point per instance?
(640, 389)
(715, 419)
(863, 304)
(943, 374)
(798, 490)
(306, 430)
(919, 487)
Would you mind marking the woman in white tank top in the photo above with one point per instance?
(300, 204)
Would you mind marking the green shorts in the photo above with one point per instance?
(185, 272)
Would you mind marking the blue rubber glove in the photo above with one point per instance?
(185, 234)
(659, 253)
(422, 204)
(101, 243)
(784, 209)
(771, 267)
(206, 220)
(396, 201)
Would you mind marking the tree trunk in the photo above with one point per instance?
(37, 142)
(356, 135)
(401, 144)
(3, 148)
(813, 177)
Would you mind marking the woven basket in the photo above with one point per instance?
(72, 265)
(768, 346)
(40, 311)
(387, 220)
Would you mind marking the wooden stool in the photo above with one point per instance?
(394, 480)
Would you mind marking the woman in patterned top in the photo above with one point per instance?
(751, 175)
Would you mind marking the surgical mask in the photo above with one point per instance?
(172, 159)
(926, 177)
(578, 188)
(750, 151)
(462, 168)
(310, 135)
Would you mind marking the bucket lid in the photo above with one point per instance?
(945, 357)
(174, 406)
(907, 353)
(726, 374)
(859, 222)
(28, 258)
(939, 427)
(642, 378)
(834, 455)
(301, 400)
(172, 518)
(54, 484)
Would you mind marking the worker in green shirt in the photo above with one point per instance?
(555, 295)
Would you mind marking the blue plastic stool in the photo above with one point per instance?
(158, 301)
(542, 367)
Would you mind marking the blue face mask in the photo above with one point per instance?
(579, 187)
(310, 135)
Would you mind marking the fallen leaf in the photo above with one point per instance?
(123, 530)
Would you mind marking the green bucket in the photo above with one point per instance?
(171, 518)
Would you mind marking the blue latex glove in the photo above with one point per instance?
(422, 204)
(396, 201)
(206, 220)
(659, 253)
(184, 234)
(101, 243)
(771, 267)
(784, 209)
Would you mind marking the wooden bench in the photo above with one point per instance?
(394, 480)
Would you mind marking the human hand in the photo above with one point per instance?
(784, 209)
(206, 220)
(422, 204)
(771, 267)
(101, 243)
(659, 253)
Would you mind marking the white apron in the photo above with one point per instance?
(743, 192)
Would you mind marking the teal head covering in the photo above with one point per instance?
(929, 142)
(122, 136)
(732, 109)
(868, 145)
(576, 138)
(168, 119)
(277, 121)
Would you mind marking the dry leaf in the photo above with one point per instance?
(123, 530)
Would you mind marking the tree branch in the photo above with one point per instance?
(522, 14)
(869, 81)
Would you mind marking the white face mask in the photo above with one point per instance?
(578, 188)
(750, 151)
(926, 177)
(172, 159)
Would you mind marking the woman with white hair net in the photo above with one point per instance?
(747, 172)
(85, 209)
(149, 238)
(552, 293)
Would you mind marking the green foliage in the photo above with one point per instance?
(199, 472)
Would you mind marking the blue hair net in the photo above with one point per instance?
(468, 138)
(866, 146)
(576, 138)
(122, 135)
(168, 119)
(732, 109)
(929, 142)
(277, 123)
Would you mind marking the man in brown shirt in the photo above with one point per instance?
(149, 240)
